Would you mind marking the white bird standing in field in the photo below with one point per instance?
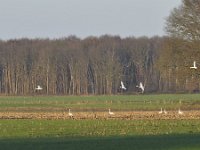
(165, 112)
(194, 65)
(110, 113)
(122, 86)
(141, 86)
(70, 114)
(161, 111)
(38, 88)
(180, 112)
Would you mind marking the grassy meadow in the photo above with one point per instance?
(117, 102)
(100, 134)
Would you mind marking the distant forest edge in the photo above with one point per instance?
(100, 65)
(73, 66)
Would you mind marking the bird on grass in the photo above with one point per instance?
(165, 112)
(161, 111)
(180, 112)
(110, 113)
(70, 114)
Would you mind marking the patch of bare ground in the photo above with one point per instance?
(129, 115)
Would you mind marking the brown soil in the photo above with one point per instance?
(129, 115)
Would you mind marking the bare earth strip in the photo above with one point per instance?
(129, 115)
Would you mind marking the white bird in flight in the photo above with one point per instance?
(38, 87)
(122, 86)
(194, 65)
(141, 87)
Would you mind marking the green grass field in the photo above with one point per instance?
(101, 134)
(169, 142)
(95, 128)
(119, 102)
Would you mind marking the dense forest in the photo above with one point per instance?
(74, 66)
(97, 65)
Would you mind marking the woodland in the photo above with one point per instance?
(97, 65)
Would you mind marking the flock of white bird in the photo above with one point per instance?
(179, 110)
(142, 87)
(71, 115)
(162, 111)
(122, 86)
(165, 112)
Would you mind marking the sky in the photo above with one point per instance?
(83, 18)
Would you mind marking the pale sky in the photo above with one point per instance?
(61, 18)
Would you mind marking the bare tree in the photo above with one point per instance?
(74, 66)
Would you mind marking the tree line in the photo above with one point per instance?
(182, 48)
(72, 66)
(97, 65)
